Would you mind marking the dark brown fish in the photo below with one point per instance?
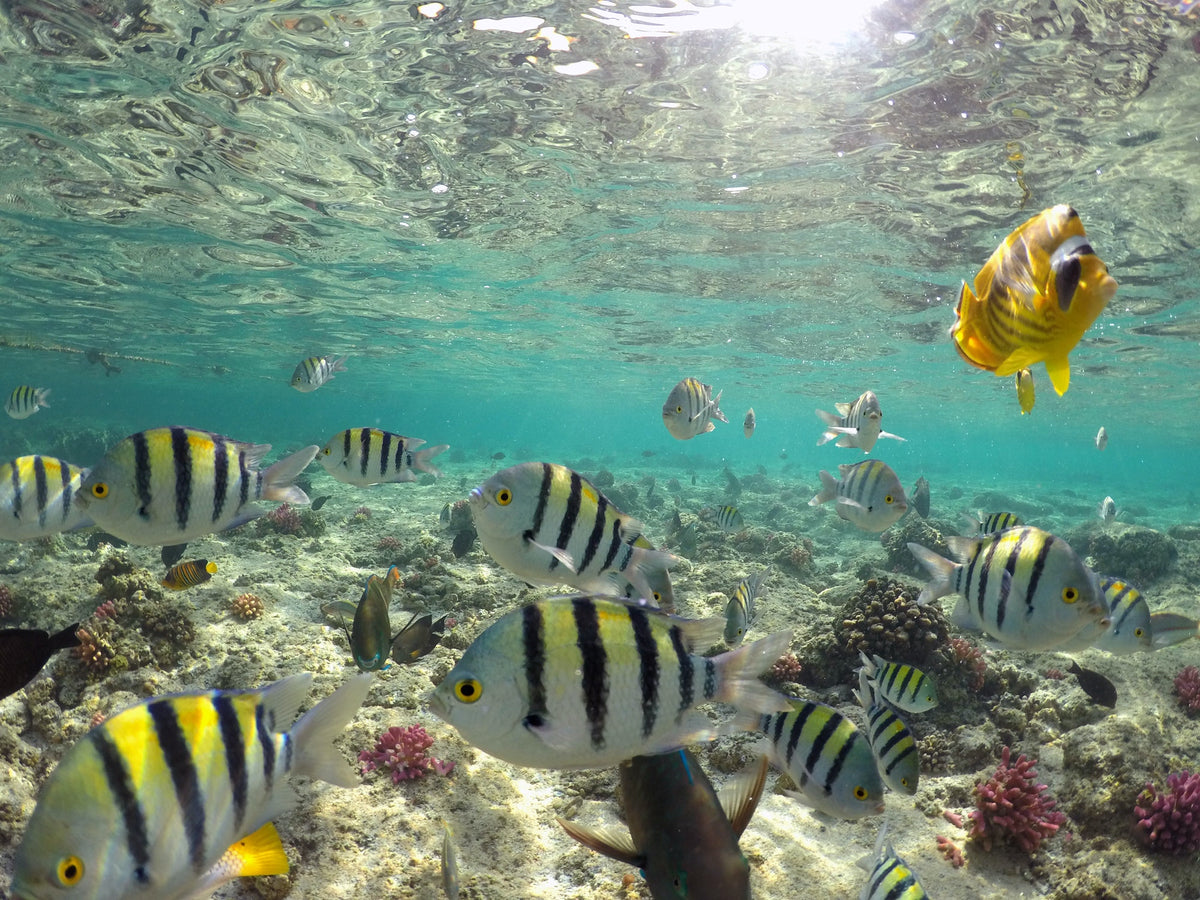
(463, 541)
(1096, 686)
(24, 651)
(418, 638)
(319, 502)
(498, 455)
(919, 498)
(172, 553)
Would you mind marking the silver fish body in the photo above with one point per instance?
(690, 409)
(857, 424)
(868, 494)
(39, 496)
(1101, 438)
(1106, 510)
(1130, 630)
(315, 371)
(366, 456)
(24, 401)
(1171, 628)
(740, 612)
(749, 423)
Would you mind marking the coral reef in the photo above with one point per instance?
(95, 651)
(283, 519)
(949, 850)
(1187, 688)
(8, 606)
(1137, 554)
(884, 618)
(968, 657)
(402, 751)
(1170, 820)
(795, 555)
(1012, 806)
(916, 530)
(247, 606)
(785, 669)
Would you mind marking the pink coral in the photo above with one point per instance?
(1187, 688)
(403, 751)
(285, 519)
(1011, 804)
(950, 850)
(969, 657)
(1170, 820)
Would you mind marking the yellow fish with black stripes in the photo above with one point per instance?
(148, 803)
(547, 524)
(1034, 298)
(171, 485)
(366, 456)
(585, 682)
(39, 496)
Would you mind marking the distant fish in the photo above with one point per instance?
(318, 502)
(1130, 629)
(1100, 689)
(172, 553)
(39, 496)
(450, 883)
(749, 422)
(366, 456)
(690, 409)
(1106, 510)
(189, 574)
(920, 497)
(96, 358)
(868, 494)
(315, 371)
(1170, 628)
(418, 638)
(727, 518)
(648, 453)
(857, 426)
(740, 612)
(1101, 438)
(499, 454)
(890, 877)
(25, 651)
(24, 401)
(1026, 392)
(991, 523)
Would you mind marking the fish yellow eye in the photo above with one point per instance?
(1070, 595)
(1138, 632)
(504, 496)
(887, 499)
(326, 451)
(657, 597)
(678, 409)
(69, 871)
(860, 793)
(468, 690)
(99, 490)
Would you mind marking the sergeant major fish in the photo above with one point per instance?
(586, 682)
(868, 494)
(1130, 629)
(690, 409)
(891, 742)
(858, 424)
(366, 456)
(740, 613)
(147, 803)
(991, 523)
(171, 485)
(903, 686)
(1026, 391)
(890, 877)
(39, 496)
(24, 401)
(727, 518)
(315, 371)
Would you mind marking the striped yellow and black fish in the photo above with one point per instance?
(188, 574)
(1024, 587)
(1034, 298)
(740, 612)
(147, 803)
(662, 592)
(890, 878)
(727, 518)
(24, 401)
(903, 686)
(1130, 630)
(895, 749)
(39, 496)
(547, 524)
(857, 424)
(690, 409)
(315, 371)
(827, 757)
(992, 523)
(170, 485)
(586, 682)
(868, 494)
(365, 456)
(1026, 390)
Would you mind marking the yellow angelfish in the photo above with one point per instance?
(1033, 299)
(1026, 392)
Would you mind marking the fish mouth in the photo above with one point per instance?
(476, 498)
(439, 707)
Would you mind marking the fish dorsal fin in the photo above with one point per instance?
(843, 408)
(281, 701)
(700, 634)
(615, 843)
(739, 797)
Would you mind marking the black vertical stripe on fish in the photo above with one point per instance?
(533, 638)
(597, 534)
(594, 659)
(364, 450)
(18, 494)
(614, 547)
(984, 572)
(141, 473)
(266, 742)
(182, 454)
(839, 760)
(43, 490)
(137, 840)
(235, 754)
(687, 692)
(243, 479)
(817, 750)
(648, 669)
(710, 679)
(802, 715)
(779, 720)
(570, 515)
(539, 512)
(220, 477)
(346, 443)
(1006, 583)
(1039, 564)
(182, 766)
(289, 749)
(68, 496)
(401, 457)
(385, 452)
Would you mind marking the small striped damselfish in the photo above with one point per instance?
(868, 494)
(890, 878)
(39, 496)
(892, 743)
(366, 456)
(171, 485)
(857, 425)
(690, 409)
(147, 803)
(727, 518)
(740, 612)
(315, 371)
(547, 524)
(188, 574)
(586, 682)
(24, 401)
(904, 687)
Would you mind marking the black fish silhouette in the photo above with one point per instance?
(172, 553)
(24, 651)
(1095, 685)
(462, 543)
(417, 638)
(319, 502)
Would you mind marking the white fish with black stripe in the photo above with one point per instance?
(740, 612)
(366, 456)
(857, 425)
(891, 742)
(690, 409)
(24, 401)
(1023, 587)
(868, 494)
(315, 371)
(172, 485)
(39, 496)
(547, 524)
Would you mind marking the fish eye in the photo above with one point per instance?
(326, 451)
(468, 690)
(504, 496)
(1138, 632)
(69, 871)
(904, 781)
(100, 490)
(657, 597)
(679, 409)
(1070, 595)
(887, 499)
(860, 792)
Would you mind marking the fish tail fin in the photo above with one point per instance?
(715, 408)
(421, 459)
(740, 669)
(338, 365)
(313, 735)
(937, 566)
(260, 853)
(828, 489)
(277, 480)
(42, 394)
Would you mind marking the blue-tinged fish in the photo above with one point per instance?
(25, 651)
(39, 496)
(690, 409)
(749, 423)
(682, 835)
(147, 803)
(366, 456)
(740, 612)
(827, 757)
(1106, 511)
(868, 494)
(315, 371)
(1102, 438)
(172, 485)
(727, 518)
(547, 524)
(1171, 628)
(859, 424)
(992, 523)
(188, 574)
(1023, 587)
(892, 743)
(1130, 629)
(586, 682)
(890, 878)
(903, 686)
(24, 401)
(1026, 391)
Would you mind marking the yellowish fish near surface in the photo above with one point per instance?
(585, 682)
(690, 409)
(147, 803)
(1026, 392)
(188, 574)
(366, 456)
(1033, 299)
(858, 424)
(315, 371)
(39, 496)
(1101, 438)
(749, 423)
(24, 401)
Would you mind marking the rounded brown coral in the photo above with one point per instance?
(247, 606)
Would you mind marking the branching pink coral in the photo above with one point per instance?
(402, 750)
(1170, 820)
(1187, 688)
(1011, 805)
(285, 519)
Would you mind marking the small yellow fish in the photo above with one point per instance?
(1034, 298)
(1025, 390)
(189, 574)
